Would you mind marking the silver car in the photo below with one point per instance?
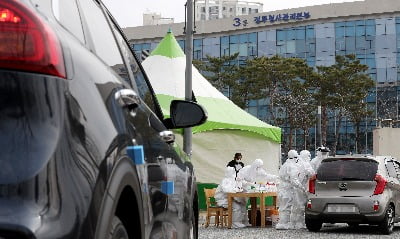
(355, 190)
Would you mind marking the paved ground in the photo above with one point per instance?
(336, 231)
(341, 231)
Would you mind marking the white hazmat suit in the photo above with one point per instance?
(229, 185)
(305, 171)
(253, 173)
(290, 186)
(322, 153)
(249, 175)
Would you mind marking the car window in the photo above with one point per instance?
(102, 39)
(141, 83)
(397, 168)
(67, 14)
(347, 169)
(391, 169)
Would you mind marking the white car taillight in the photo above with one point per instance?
(309, 205)
(376, 206)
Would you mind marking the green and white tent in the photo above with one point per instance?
(228, 129)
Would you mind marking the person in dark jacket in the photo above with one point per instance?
(236, 162)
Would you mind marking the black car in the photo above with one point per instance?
(85, 149)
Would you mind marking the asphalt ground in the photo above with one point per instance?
(336, 231)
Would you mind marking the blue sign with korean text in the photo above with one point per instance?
(297, 16)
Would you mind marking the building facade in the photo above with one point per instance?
(153, 18)
(217, 9)
(369, 29)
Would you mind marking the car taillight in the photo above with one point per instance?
(380, 184)
(376, 206)
(311, 184)
(309, 204)
(27, 43)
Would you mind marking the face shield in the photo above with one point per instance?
(323, 152)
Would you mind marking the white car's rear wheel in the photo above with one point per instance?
(387, 224)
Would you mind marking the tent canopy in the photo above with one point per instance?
(166, 66)
(228, 129)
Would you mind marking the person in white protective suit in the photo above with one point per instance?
(250, 175)
(322, 153)
(305, 160)
(253, 173)
(305, 171)
(289, 213)
(229, 185)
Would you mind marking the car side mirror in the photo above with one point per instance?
(185, 114)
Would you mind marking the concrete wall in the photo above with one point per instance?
(386, 141)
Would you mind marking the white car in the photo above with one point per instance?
(355, 190)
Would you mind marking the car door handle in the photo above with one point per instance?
(127, 98)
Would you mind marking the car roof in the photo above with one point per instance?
(378, 158)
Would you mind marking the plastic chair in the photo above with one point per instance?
(213, 210)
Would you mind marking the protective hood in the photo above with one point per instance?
(257, 163)
(292, 154)
(249, 172)
(305, 155)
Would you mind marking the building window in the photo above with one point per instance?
(198, 49)
(297, 42)
(356, 37)
(182, 44)
(224, 42)
(252, 45)
(140, 48)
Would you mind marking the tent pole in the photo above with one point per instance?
(187, 133)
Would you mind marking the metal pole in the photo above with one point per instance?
(376, 104)
(187, 132)
(397, 106)
(315, 137)
(319, 126)
(366, 128)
